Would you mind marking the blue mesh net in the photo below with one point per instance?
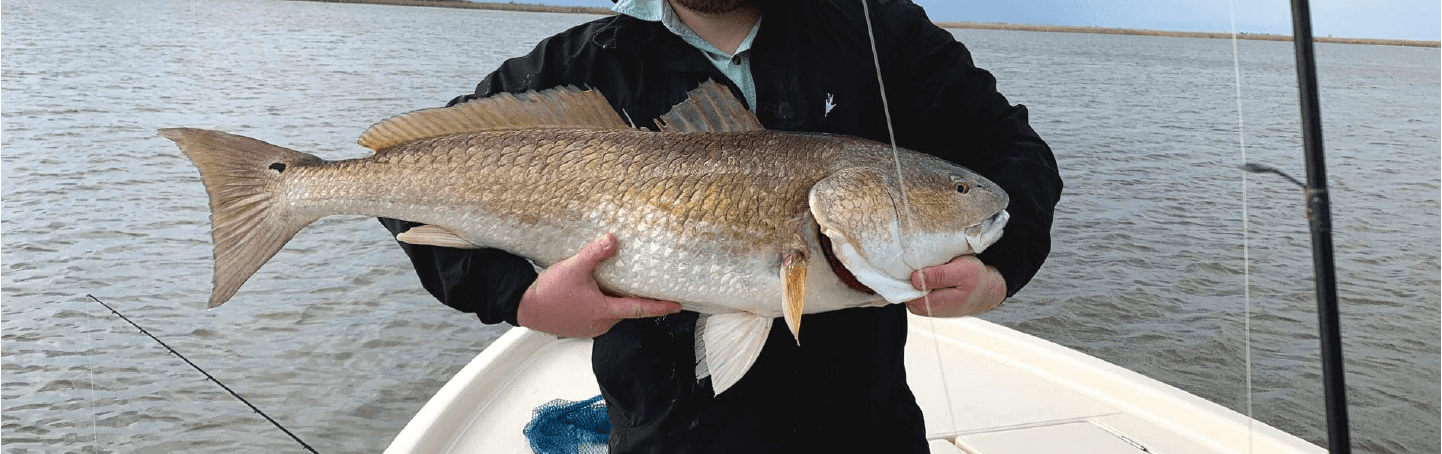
(566, 427)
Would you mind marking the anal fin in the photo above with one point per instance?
(435, 236)
(727, 345)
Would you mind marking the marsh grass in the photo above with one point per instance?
(462, 4)
(1145, 32)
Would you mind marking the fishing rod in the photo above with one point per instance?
(207, 374)
(1319, 218)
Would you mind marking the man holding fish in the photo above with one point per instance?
(838, 385)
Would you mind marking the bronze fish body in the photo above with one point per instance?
(713, 211)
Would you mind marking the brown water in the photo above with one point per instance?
(336, 340)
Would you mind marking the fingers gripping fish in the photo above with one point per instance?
(740, 224)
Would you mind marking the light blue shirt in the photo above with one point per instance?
(736, 67)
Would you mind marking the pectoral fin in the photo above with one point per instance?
(435, 236)
(727, 345)
(793, 298)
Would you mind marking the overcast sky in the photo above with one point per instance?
(1400, 19)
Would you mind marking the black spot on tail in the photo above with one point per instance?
(278, 167)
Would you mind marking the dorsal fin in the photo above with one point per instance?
(555, 108)
(710, 107)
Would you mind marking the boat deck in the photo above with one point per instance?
(1039, 398)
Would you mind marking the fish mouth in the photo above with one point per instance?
(983, 235)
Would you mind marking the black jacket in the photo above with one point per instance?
(844, 389)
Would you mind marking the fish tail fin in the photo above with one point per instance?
(242, 176)
(727, 345)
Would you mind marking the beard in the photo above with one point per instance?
(712, 6)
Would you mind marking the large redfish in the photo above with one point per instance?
(733, 221)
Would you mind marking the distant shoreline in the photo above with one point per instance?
(463, 4)
(529, 7)
(1145, 32)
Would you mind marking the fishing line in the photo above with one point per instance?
(202, 371)
(906, 207)
(1246, 235)
(90, 373)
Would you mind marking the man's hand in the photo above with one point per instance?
(961, 287)
(566, 301)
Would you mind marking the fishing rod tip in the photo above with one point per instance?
(1258, 168)
(1263, 168)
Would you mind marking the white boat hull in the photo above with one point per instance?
(1011, 393)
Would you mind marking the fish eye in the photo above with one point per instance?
(962, 187)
